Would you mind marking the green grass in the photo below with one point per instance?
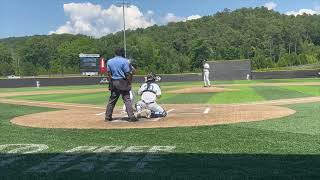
(245, 94)
(306, 121)
(270, 81)
(197, 83)
(85, 98)
(286, 148)
(196, 98)
(26, 89)
(310, 90)
(196, 139)
(273, 93)
(297, 80)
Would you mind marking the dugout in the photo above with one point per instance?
(230, 69)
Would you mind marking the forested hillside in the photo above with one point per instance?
(269, 38)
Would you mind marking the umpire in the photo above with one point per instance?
(120, 76)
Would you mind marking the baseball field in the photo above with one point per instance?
(258, 129)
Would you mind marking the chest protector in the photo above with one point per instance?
(149, 94)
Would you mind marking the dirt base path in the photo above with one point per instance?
(77, 116)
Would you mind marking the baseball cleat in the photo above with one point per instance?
(107, 119)
(133, 119)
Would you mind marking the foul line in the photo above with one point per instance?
(99, 114)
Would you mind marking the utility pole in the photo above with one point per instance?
(16, 59)
(124, 4)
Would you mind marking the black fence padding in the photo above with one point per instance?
(286, 74)
(239, 71)
(73, 81)
(230, 70)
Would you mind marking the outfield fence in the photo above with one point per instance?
(72, 81)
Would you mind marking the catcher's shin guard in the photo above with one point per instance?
(137, 108)
(158, 114)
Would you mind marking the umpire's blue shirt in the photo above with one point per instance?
(118, 66)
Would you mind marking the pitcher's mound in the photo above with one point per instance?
(200, 90)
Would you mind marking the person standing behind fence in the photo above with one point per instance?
(206, 73)
(119, 73)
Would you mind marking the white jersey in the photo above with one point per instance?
(206, 67)
(149, 92)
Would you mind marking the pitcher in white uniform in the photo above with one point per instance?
(206, 74)
(149, 92)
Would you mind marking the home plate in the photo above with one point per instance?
(119, 121)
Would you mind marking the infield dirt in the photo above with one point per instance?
(80, 116)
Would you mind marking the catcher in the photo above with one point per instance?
(149, 92)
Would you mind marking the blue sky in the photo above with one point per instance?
(29, 17)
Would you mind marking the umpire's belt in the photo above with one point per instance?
(118, 79)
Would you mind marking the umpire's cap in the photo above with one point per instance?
(119, 52)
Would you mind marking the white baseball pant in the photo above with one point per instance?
(132, 101)
(206, 78)
(154, 107)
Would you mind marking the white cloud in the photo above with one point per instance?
(270, 5)
(93, 20)
(193, 17)
(303, 11)
(170, 17)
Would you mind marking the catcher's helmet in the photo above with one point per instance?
(133, 62)
(151, 77)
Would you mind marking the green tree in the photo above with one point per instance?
(200, 51)
(6, 67)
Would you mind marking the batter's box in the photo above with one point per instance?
(193, 111)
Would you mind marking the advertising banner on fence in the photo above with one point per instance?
(103, 68)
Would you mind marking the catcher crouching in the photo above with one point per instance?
(150, 91)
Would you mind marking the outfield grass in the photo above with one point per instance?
(197, 83)
(310, 90)
(273, 93)
(243, 94)
(47, 88)
(306, 121)
(285, 148)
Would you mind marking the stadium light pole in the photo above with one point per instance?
(124, 4)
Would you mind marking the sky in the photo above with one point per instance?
(97, 18)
